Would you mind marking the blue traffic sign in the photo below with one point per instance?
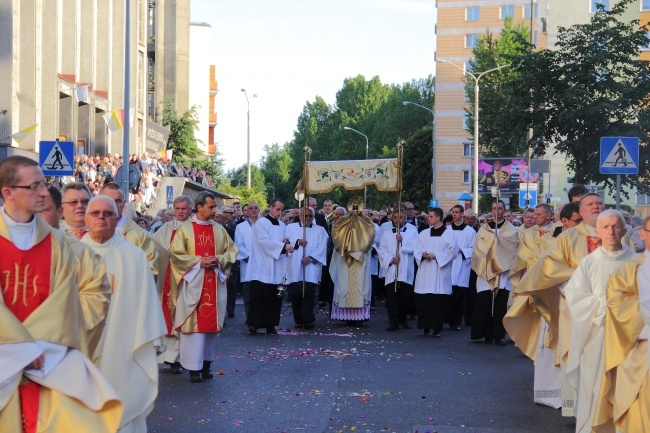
(56, 158)
(433, 203)
(170, 195)
(619, 155)
(527, 198)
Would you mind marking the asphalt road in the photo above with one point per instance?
(337, 378)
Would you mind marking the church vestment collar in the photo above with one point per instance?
(109, 243)
(460, 226)
(309, 226)
(492, 224)
(273, 220)
(199, 222)
(402, 229)
(437, 231)
(21, 234)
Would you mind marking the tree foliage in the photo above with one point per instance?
(593, 85)
(181, 132)
(503, 97)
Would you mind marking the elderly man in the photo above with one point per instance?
(131, 231)
(39, 328)
(202, 254)
(529, 219)
(494, 254)
(310, 252)
(267, 268)
(587, 304)
(182, 208)
(76, 196)
(244, 242)
(134, 324)
(624, 401)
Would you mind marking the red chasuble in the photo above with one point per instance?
(206, 311)
(166, 299)
(25, 282)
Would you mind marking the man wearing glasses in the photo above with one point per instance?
(39, 327)
(126, 354)
(76, 196)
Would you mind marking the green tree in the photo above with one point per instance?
(275, 167)
(504, 98)
(181, 133)
(593, 85)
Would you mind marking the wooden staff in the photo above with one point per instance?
(400, 154)
(305, 183)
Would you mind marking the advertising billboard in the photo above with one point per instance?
(506, 173)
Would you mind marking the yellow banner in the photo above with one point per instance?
(324, 176)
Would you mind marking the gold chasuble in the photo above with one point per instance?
(40, 313)
(166, 289)
(624, 399)
(495, 252)
(140, 238)
(198, 308)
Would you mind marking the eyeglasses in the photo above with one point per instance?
(74, 203)
(33, 187)
(104, 213)
(229, 212)
(410, 208)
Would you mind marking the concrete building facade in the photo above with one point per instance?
(50, 48)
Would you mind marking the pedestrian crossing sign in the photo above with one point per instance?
(619, 155)
(56, 158)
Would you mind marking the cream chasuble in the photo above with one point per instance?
(72, 393)
(141, 239)
(587, 304)
(624, 401)
(494, 254)
(126, 353)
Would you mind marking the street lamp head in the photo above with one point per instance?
(406, 102)
(243, 90)
(347, 128)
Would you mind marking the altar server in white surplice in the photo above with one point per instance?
(435, 250)
(461, 266)
(126, 353)
(587, 303)
(396, 258)
(309, 256)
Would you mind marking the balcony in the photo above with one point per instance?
(212, 119)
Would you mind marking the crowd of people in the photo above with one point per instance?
(567, 287)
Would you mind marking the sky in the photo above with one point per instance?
(287, 52)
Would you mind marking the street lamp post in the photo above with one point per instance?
(433, 146)
(477, 79)
(248, 138)
(365, 189)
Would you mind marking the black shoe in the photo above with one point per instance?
(499, 342)
(176, 368)
(322, 304)
(436, 335)
(392, 328)
(205, 372)
(455, 328)
(406, 326)
(427, 331)
(271, 330)
(231, 315)
(309, 326)
(299, 326)
(195, 376)
(252, 330)
(488, 339)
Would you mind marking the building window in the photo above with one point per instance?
(507, 11)
(466, 176)
(645, 5)
(468, 149)
(593, 4)
(471, 40)
(646, 47)
(465, 119)
(527, 11)
(472, 13)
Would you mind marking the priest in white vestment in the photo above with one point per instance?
(126, 353)
(586, 300)
(396, 249)
(435, 251)
(182, 207)
(306, 263)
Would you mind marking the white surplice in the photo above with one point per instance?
(434, 276)
(244, 241)
(462, 264)
(267, 264)
(316, 249)
(587, 303)
(388, 250)
(126, 353)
